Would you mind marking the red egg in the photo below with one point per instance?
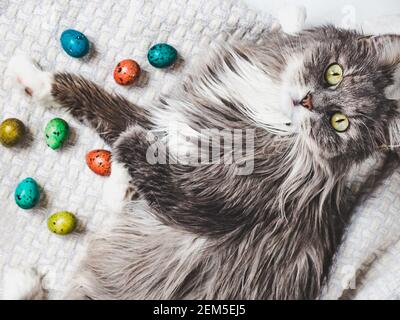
(99, 161)
(126, 72)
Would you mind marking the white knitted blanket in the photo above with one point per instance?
(126, 29)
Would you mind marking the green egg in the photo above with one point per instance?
(56, 132)
(11, 132)
(62, 222)
(27, 194)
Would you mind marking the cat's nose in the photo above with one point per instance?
(307, 101)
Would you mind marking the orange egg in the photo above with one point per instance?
(126, 72)
(99, 161)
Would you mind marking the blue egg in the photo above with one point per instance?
(162, 55)
(74, 43)
(27, 194)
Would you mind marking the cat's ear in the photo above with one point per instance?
(387, 46)
(387, 49)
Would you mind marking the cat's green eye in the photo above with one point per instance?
(334, 74)
(340, 122)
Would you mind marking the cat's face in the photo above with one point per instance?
(335, 90)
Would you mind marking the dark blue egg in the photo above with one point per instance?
(74, 43)
(27, 194)
(162, 55)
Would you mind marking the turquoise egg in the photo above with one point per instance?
(27, 194)
(162, 55)
(74, 43)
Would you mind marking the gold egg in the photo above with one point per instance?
(11, 132)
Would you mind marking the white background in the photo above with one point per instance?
(322, 11)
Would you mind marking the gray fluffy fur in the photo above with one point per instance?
(207, 232)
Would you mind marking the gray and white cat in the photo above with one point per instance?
(316, 103)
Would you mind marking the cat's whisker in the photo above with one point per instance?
(389, 146)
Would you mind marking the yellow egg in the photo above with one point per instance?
(62, 222)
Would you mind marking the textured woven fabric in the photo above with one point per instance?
(118, 29)
(367, 263)
(126, 29)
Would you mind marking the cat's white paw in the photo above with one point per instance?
(24, 73)
(22, 285)
(115, 187)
